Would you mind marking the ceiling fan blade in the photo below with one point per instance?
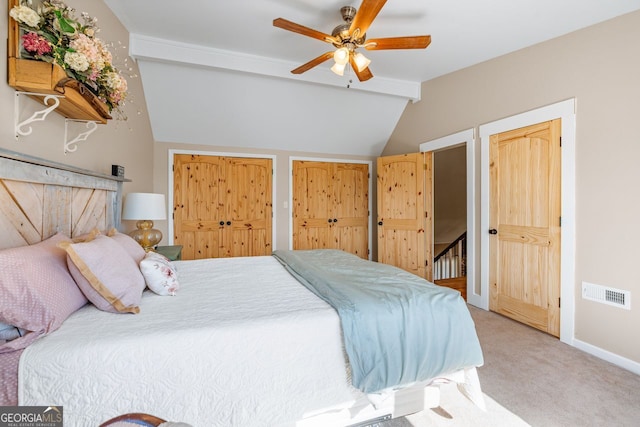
(301, 29)
(411, 42)
(365, 15)
(316, 61)
(363, 75)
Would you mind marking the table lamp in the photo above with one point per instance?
(145, 208)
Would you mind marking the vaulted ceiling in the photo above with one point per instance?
(218, 73)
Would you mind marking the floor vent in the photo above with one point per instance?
(606, 295)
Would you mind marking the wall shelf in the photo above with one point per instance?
(38, 77)
(77, 102)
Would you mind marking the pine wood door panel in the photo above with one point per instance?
(222, 206)
(404, 212)
(331, 206)
(249, 242)
(198, 205)
(525, 211)
(351, 208)
(312, 205)
(248, 207)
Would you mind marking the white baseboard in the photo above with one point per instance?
(616, 359)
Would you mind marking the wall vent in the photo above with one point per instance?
(606, 295)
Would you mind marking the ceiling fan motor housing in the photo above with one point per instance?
(348, 13)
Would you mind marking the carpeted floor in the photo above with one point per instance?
(531, 378)
(548, 383)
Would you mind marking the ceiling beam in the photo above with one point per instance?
(156, 49)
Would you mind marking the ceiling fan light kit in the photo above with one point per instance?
(347, 37)
(361, 61)
(338, 69)
(341, 56)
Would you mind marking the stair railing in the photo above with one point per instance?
(451, 261)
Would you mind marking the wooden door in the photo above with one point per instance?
(350, 195)
(331, 206)
(405, 212)
(524, 275)
(198, 205)
(248, 217)
(222, 206)
(312, 205)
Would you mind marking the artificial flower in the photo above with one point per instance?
(35, 44)
(53, 34)
(25, 15)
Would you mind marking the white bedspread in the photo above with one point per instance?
(242, 344)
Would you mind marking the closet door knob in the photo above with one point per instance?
(221, 222)
(335, 220)
(379, 222)
(329, 220)
(228, 222)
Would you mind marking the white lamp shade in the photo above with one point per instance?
(338, 69)
(144, 206)
(361, 61)
(341, 56)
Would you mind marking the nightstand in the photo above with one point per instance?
(174, 253)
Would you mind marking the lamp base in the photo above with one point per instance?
(147, 236)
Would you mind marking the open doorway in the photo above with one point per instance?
(450, 218)
(451, 150)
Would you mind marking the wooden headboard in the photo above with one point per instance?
(39, 198)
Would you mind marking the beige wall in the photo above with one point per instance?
(600, 67)
(449, 194)
(127, 143)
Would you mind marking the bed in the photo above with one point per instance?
(242, 341)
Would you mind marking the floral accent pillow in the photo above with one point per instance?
(159, 274)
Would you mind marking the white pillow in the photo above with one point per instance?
(10, 332)
(159, 274)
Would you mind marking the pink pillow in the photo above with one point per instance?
(159, 274)
(132, 247)
(37, 293)
(106, 274)
(86, 237)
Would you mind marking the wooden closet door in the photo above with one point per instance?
(312, 205)
(198, 205)
(248, 218)
(405, 220)
(331, 206)
(222, 206)
(351, 208)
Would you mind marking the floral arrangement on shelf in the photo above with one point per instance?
(53, 34)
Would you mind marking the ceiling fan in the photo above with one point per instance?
(347, 37)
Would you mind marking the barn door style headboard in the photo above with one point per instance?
(39, 198)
